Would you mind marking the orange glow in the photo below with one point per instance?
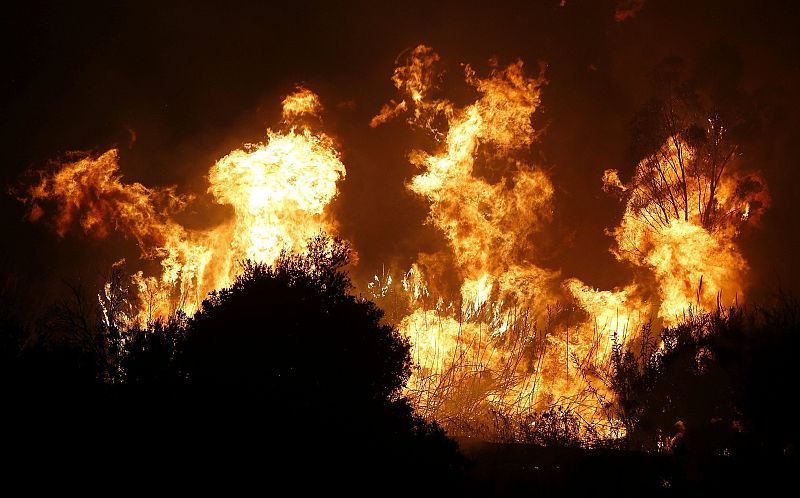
(504, 345)
(279, 191)
(681, 234)
(495, 332)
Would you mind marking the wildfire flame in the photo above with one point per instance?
(504, 348)
(679, 229)
(511, 337)
(496, 346)
(279, 191)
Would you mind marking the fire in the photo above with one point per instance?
(497, 348)
(494, 332)
(504, 345)
(488, 225)
(300, 103)
(681, 220)
(415, 80)
(279, 191)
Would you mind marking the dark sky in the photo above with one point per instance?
(194, 82)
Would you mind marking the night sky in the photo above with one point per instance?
(177, 87)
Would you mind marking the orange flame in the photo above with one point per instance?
(503, 345)
(279, 191)
(680, 226)
(493, 350)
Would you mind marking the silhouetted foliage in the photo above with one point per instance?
(284, 378)
(38, 357)
(289, 361)
(557, 427)
(295, 330)
(149, 354)
(715, 390)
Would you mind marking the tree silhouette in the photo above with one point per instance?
(149, 354)
(284, 378)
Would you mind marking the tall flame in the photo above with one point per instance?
(499, 347)
(505, 346)
(489, 225)
(279, 191)
(494, 333)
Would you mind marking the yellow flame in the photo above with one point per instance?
(678, 232)
(300, 103)
(279, 191)
(496, 342)
(494, 349)
(682, 232)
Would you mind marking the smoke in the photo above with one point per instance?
(627, 9)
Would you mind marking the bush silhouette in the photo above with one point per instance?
(295, 331)
(283, 379)
(288, 361)
(712, 391)
(149, 355)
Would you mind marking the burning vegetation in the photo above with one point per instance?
(278, 189)
(503, 346)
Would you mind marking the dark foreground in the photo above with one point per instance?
(285, 383)
(528, 470)
(67, 448)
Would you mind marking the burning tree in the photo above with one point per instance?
(687, 200)
(495, 333)
(687, 147)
